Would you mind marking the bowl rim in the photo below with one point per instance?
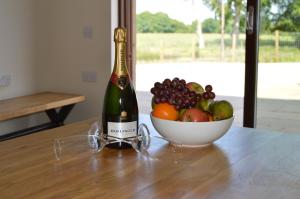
(177, 121)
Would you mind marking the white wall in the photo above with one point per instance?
(17, 54)
(17, 47)
(42, 47)
(63, 52)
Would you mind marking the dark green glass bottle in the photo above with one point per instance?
(120, 109)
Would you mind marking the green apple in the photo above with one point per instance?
(221, 110)
(204, 104)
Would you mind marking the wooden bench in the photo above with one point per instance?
(40, 102)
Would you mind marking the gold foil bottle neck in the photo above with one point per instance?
(120, 35)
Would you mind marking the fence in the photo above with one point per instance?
(276, 47)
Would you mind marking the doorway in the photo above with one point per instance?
(225, 54)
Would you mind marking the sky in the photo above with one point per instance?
(183, 10)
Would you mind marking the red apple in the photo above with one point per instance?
(193, 86)
(194, 115)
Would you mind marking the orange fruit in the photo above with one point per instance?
(165, 111)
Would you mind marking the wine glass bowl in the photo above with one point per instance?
(94, 141)
(70, 146)
(191, 134)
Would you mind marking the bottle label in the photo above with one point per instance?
(122, 129)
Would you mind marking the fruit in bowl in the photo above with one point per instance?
(186, 114)
(177, 100)
(191, 134)
(194, 115)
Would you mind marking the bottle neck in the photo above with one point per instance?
(120, 68)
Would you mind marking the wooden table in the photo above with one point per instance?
(30, 104)
(245, 163)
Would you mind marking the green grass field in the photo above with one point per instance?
(159, 47)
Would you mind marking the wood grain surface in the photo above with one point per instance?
(25, 105)
(245, 163)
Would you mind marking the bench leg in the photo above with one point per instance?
(26, 131)
(57, 119)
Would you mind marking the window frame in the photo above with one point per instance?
(251, 67)
(126, 19)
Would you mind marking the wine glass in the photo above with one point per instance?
(150, 147)
(94, 141)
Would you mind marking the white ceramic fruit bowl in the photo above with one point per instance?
(191, 134)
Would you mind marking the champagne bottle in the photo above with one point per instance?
(120, 109)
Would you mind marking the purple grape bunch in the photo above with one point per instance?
(176, 92)
(208, 94)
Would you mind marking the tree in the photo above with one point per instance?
(230, 12)
(265, 22)
(281, 15)
(234, 13)
(219, 7)
(287, 17)
(144, 22)
(238, 8)
(161, 23)
(211, 25)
